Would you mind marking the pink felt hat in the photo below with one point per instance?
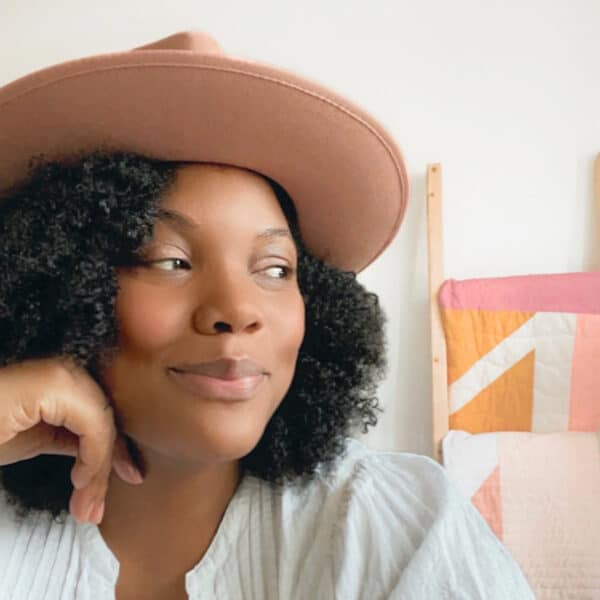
(182, 99)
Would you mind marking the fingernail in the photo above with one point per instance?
(80, 479)
(97, 513)
(89, 512)
(133, 473)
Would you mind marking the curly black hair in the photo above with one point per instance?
(64, 233)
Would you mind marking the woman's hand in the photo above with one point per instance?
(52, 406)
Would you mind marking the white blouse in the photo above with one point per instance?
(382, 526)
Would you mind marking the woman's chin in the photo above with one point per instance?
(228, 446)
(224, 443)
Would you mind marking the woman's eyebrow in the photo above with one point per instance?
(180, 221)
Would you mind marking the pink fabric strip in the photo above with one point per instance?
(564, 292)
(584, 413)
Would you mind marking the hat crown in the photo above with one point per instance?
(198, 42)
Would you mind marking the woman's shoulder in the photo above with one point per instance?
(12, 527)
(377, 487)
(400, 481)
(8, 531)
(361, 472)
(388, 499)
(15, 536)
(361, 466)
(391, 524)
(35, 551)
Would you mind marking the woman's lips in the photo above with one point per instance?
(241, 388)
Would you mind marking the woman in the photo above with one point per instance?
(158, 248)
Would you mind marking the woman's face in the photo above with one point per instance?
(219, 282)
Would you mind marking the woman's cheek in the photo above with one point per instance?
(147, 319)
(292, 322)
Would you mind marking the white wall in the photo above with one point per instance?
(506, 95)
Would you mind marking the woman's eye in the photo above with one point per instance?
(178, 261)
(279, 271)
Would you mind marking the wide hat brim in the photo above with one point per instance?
(342, 169)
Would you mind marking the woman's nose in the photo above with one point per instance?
(228, 302)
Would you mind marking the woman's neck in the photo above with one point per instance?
(164, 525)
